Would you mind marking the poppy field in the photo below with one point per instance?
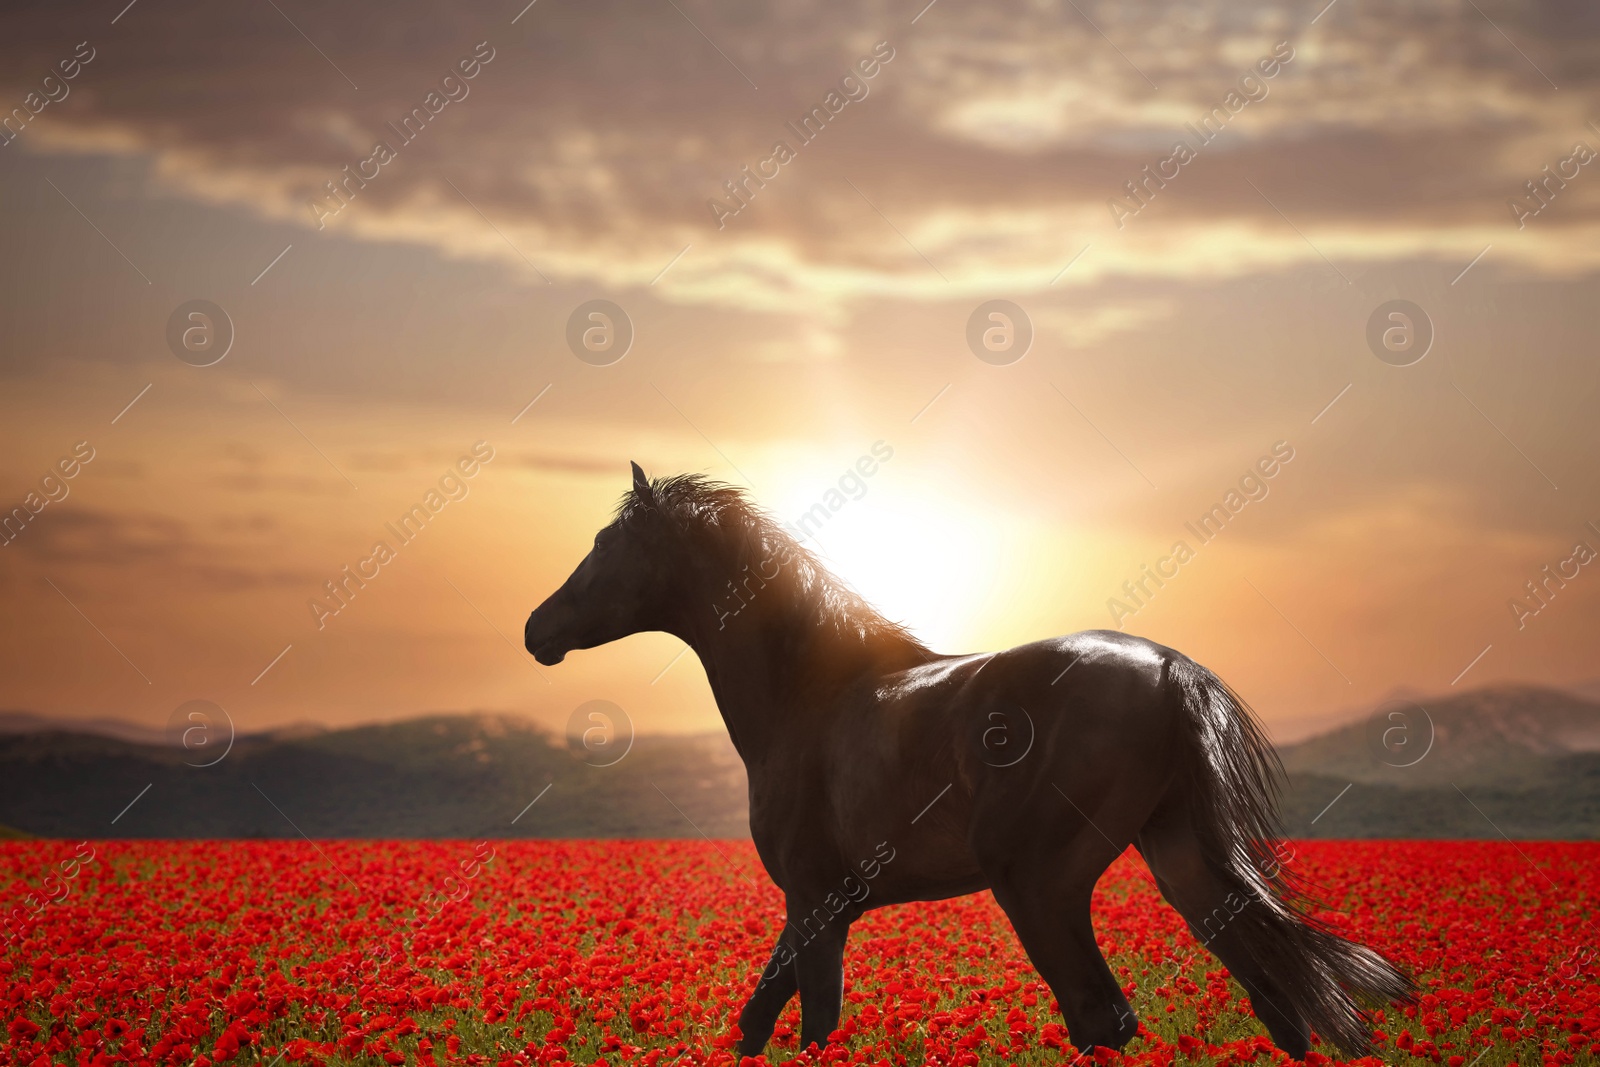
(512, 954)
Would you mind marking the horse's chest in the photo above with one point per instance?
(791, 828)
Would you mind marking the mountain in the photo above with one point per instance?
(438, 776)
(1589, 690)
(1523, 761)
(1502, 735)
(26, 722)
(1519, 760)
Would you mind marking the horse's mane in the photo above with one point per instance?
(719, 518)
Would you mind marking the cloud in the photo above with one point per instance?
(591, 144)
(120, 542)
(1091, 324)
(558, 464)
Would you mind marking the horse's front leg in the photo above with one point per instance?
(820, 970)
(778, 983)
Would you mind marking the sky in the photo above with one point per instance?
(1200, 218)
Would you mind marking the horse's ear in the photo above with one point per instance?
(641, 485)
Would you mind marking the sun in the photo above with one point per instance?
(926, 562)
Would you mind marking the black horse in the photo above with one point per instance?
(881, 772)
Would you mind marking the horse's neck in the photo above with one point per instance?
(742, 684)
(769, 657)
(764, 668)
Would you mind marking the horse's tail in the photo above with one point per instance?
(1236, 779)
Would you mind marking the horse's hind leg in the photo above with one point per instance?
(1214, 913)
(1045, 889)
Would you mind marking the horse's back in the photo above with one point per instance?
(1097, 694)
(1079, 677)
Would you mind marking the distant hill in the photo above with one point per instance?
(1528, 757)
(1521, 760)
(440, 776)
(26, 722)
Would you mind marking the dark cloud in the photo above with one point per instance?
(157, 546)
(599, 131)
(557, 464)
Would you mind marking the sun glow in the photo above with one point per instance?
(925, 562)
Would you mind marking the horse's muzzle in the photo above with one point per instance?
(538, 639)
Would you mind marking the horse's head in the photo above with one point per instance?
(622, 587)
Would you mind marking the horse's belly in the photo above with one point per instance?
(918, 882)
